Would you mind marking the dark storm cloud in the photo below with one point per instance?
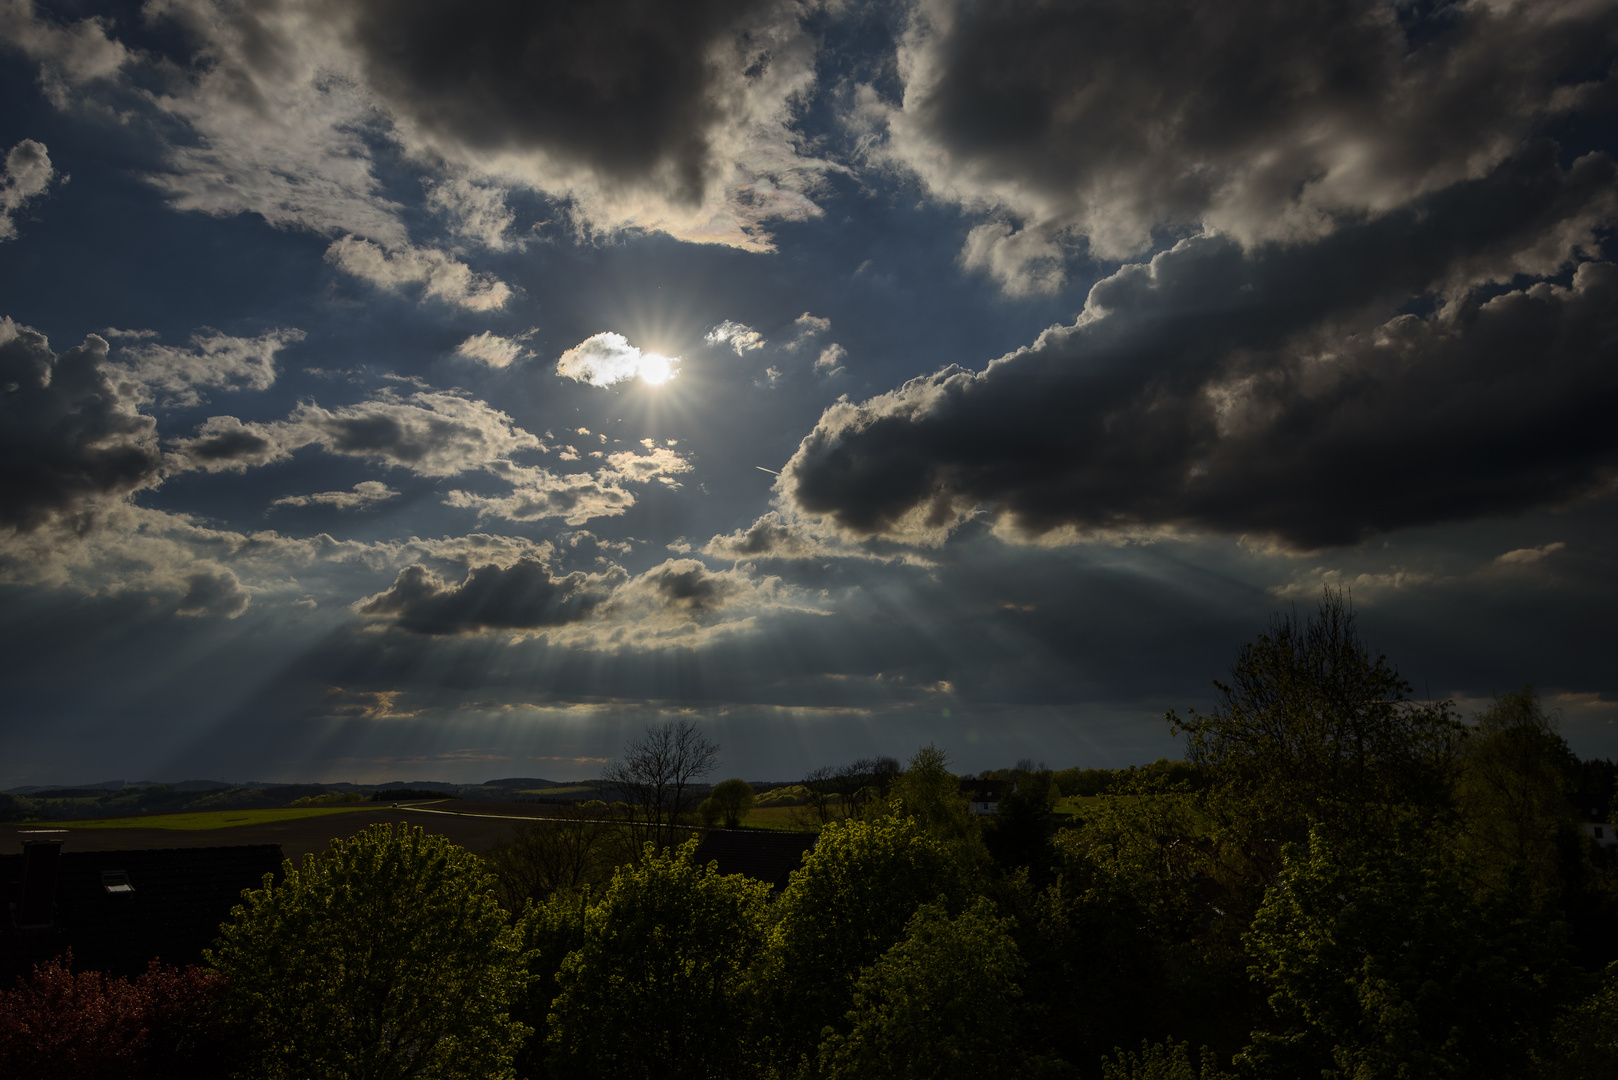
(523, 596)
(686, 585)
(214, 592)
(70, 434)
(1107, 120)
(1268, 391)
(629, 90)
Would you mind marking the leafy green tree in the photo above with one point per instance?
(1139, 939)
(1585, 1046)
(1162, 1061)
(654, 989)
(387, 957)
(1383, 962)
(1514, 791)
(1312, 729)
(850, 901)
(930, 794)
(733, 799)
(941, 1003)
(550, 931)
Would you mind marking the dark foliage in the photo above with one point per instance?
(168, 1022)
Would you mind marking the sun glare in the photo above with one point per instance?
(655, 368)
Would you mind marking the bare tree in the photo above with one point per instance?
(843, 791)
(571, 848)
(657, 774)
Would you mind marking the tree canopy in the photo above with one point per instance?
(1313, 729)
(386, 958)
(653, 989)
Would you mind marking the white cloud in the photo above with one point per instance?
(289, 105)
(69, 55)
(477, 211)
(214, 360)
(1024, 261)
(735, 335)
(539, 493)
(443, 276)
(365, 494)
(807, 326)
(608, 358)
(831, 359)
(1528, 556)
(28, 173)
(430, 433)
(492, 349)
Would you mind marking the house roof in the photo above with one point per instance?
(763, 855)
(983, 790)
(118, 910)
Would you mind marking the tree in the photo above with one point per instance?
(941, 1003)
(656, 774)
(1313, 729)
(1384, 962)
(575, 848)
(1585, 1045)
(550, 931)
(387, 957)
(93, 1026)
(654, 988)
(1516, 779)
(842, 791)
(733, 799)
(1162, 1061)
(1019, 833)
(929, 793)
(847, 904)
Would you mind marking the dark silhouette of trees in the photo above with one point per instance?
(1384, 962)
(87, 1025)
(732, 799)
(576, 846)
(1314, 730)
(843, 791)
(657, 774)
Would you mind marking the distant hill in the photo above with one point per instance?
(117, 798)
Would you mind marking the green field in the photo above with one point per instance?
(215, 819)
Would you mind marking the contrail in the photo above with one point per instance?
(761, 468)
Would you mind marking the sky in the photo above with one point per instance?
(397, 390)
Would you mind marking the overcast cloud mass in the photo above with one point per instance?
(408, 390)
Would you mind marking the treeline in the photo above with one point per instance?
(1343, 881)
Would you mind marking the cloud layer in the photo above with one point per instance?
(71, 437)
(1267, 390)
(1106, 123)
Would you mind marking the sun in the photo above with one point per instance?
(655, 368)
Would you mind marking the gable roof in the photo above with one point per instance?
(983, 790)
(761, 854)
(117, 910)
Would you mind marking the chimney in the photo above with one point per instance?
(39, 862)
